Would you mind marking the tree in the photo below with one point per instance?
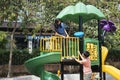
(19, 11)
(9, 13)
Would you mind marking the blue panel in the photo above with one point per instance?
(79, 34)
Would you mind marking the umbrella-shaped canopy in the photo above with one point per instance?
(107, 25)
(87, 12)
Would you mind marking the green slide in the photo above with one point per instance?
(36, 65)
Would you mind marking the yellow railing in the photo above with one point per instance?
(68, 46)
(51, 44)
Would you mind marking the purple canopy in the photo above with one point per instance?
(107, 25)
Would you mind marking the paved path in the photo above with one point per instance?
(66, 77)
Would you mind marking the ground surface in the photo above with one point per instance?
(20, 70)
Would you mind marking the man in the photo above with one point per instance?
(60, 28)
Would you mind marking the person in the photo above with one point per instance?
(86, 65)
(60, 28)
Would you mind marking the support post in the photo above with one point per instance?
(81, 46)
(100, 54)
(104, 76)
(62, 71)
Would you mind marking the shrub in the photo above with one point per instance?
(114, 55)
(19, 56)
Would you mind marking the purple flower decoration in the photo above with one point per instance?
(107, 25)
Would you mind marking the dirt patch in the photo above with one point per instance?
(17, 70)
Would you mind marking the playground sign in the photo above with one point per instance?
(92, 46)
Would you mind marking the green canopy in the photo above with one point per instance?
(87, 12)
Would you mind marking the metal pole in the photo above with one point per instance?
(62, 63)
(81, 46)
(100, 54)
(62, 71)
(102, 43)
(104, 76)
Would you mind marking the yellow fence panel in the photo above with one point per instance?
(68, 46)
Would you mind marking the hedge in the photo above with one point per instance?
(19, 56)
(114, 55)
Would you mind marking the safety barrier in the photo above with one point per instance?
(52, 44)
(68, 46)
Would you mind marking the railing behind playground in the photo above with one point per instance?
(67, 46)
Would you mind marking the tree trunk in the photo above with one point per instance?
(10, 57)
(11, 51)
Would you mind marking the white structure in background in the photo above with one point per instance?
(30, 46)
(119, 7)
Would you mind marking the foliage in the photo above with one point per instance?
(9, 10)
(19, 56)
(3, 40)
(2, 36)
(90, 28)
(114, 55)
(52, 8)
(110, 9)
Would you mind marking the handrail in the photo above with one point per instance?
(71, 47)
(67, 46)
(51, 44)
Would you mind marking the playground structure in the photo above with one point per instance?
(60, 50)
(51, 52)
